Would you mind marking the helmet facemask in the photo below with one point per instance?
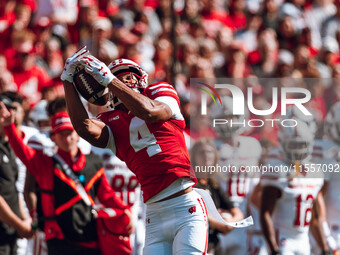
(137, 76)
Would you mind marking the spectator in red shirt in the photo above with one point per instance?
(7, 18)
(30, 78)
(214, 18)
(22, 17)
(236, 14)
(46, 172)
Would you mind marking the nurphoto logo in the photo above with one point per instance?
(241, 105)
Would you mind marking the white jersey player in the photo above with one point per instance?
(289, 192)
(256, 240)
(327, 153)
(236, 152)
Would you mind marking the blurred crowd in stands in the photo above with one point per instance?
(251, 39)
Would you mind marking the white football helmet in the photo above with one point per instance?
(124, 66)
(294, 113)
(39, 118)
(225, 111)
(296, 143)
(332, 123)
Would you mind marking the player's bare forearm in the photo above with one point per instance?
(140, 105)
(92, 130)
(269, 231)
(268, 200)
(321, 202)
(316, 223)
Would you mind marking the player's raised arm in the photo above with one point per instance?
(140, 105)
(92, 130)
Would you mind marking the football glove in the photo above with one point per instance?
(99, 71)
(71, 64)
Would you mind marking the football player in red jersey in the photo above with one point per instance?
(146, 131)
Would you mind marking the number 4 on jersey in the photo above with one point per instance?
(141, 137)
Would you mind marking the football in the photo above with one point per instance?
(89, 88)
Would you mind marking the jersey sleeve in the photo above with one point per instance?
(165, 93)
(161, 90)
(173, 105)
(111, 141)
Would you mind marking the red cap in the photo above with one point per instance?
(61, 121)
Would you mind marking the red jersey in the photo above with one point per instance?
(155, 152)
(214, 21)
